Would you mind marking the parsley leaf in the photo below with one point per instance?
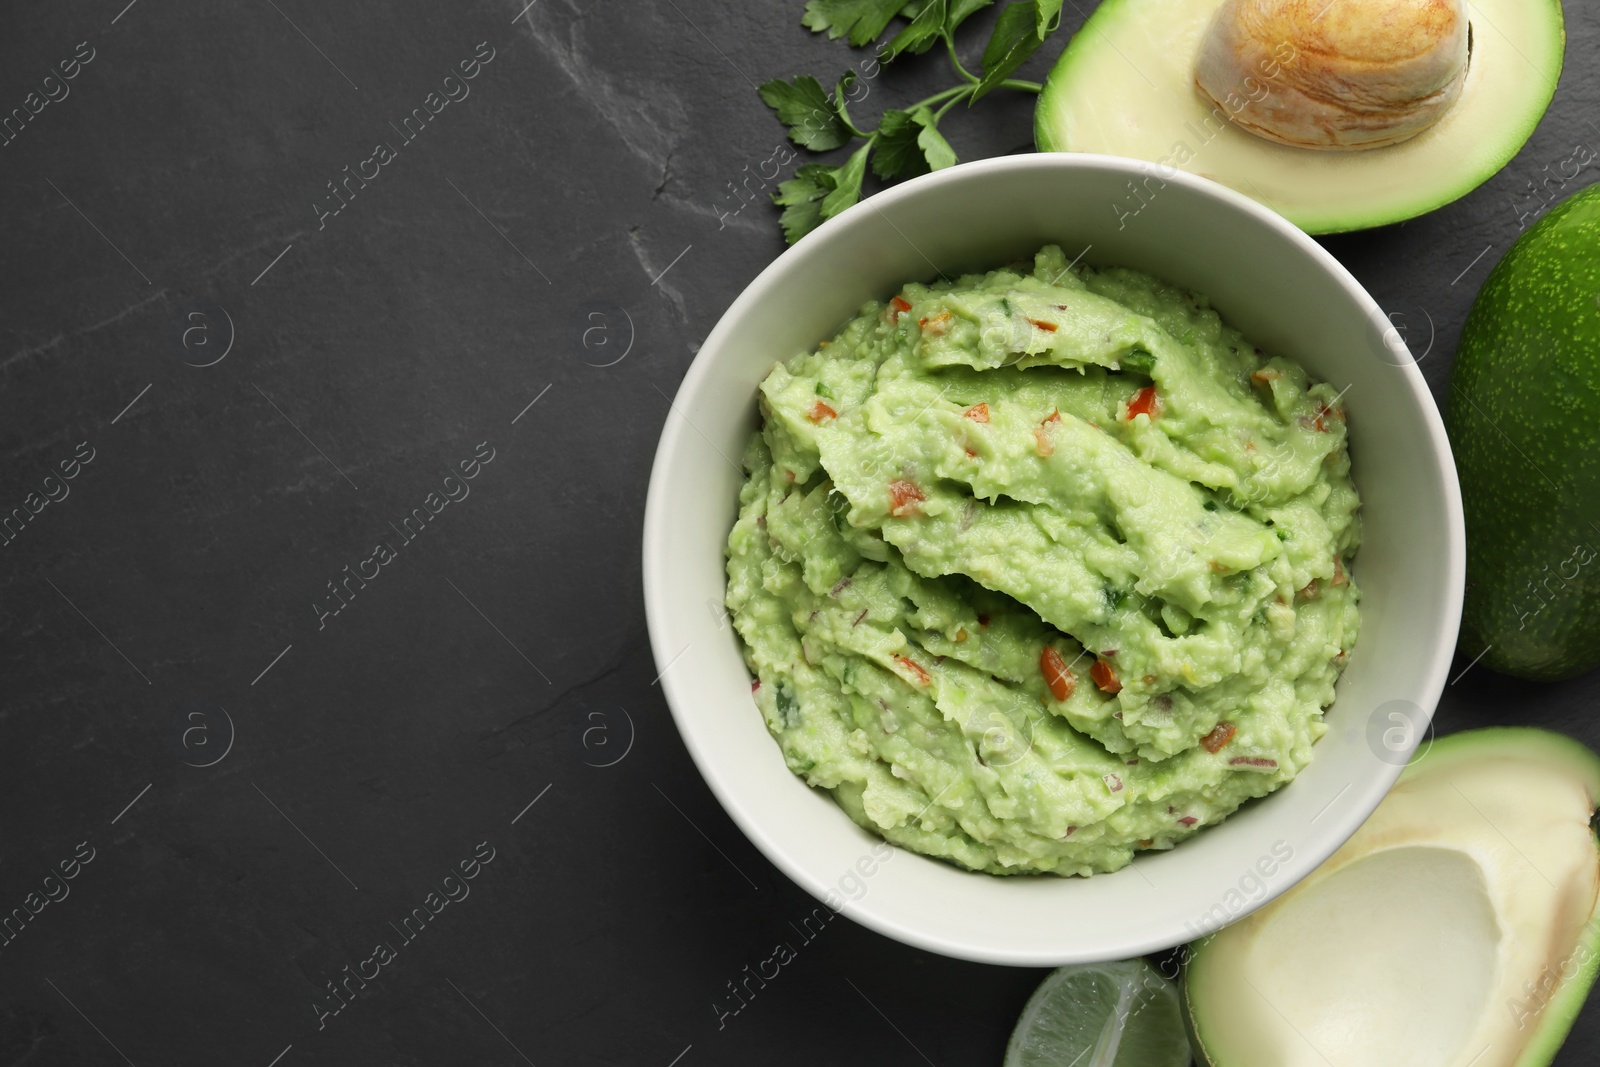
(909, 143)
(928, 22)
(818, 192)
(847, 183)
(804, 106)
(801, 200)
(863, 20)
(840, 91)
(1049, 17)
(907, 140)
(935, 149)
(898, 155)
(961, 10)
(1015, 38)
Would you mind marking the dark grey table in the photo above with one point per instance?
(275, 744)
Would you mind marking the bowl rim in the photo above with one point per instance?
(1436, 660)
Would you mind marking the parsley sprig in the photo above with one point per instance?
(906, 140)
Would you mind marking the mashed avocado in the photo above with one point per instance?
(1036, 569)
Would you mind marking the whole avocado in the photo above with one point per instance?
(1524, 423)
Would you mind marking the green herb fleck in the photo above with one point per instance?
(1138, 361)
(788, 707)
(838, 507)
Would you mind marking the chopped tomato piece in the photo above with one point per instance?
(1105, 676)
(1047, 327)
(1265, 376)
(898, 306)
(1339, 577)
(936, 324)
(1144, 402)
(1056, 674)
(1188, 820)
(1218, 737)
(904, 498)
(755, 684)
(1252, 761)
(977, 413)
(821, 412)
(919, 674)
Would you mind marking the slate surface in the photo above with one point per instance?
(267, 791)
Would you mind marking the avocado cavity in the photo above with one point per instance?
(1458, 926)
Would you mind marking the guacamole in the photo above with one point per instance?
(1039, 568)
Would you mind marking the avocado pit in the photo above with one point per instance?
(1335, 74)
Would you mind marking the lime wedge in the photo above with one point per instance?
(1122, 1014)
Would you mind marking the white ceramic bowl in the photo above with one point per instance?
(1267, 278)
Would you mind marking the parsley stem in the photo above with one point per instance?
(957, 93)
(939, 98)
(955, 60)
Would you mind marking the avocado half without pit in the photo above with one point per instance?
(1458, 926)
(1338, 114)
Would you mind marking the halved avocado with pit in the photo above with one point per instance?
(1125, 86)
(1460, 925)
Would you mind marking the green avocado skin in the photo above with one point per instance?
(1524, 424)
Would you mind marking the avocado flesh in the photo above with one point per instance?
(1458, 926)
(1124, 86)
(1524, 392)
